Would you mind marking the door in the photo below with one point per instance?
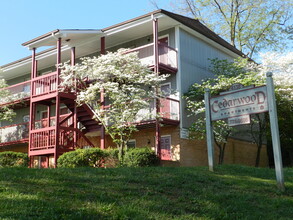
(166, 147)
(44, 119)
(165, 105)
(44, 162)
(64, 111)
(163, 50)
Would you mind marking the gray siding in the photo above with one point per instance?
(20, 113)
(20, 79)
(146, 40)
(195, 64)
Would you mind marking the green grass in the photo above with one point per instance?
(231, 192)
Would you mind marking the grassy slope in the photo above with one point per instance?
(232, 192)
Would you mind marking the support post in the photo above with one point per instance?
(156, 71)
(49, 121)
(57, 110)
(74, 105)
(57, 130)
(275, 132)
(209, 130)
(58, 59)
(31, 105)
(102, 98)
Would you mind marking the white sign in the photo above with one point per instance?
(237, 103)
(239, 120)
(184, 133)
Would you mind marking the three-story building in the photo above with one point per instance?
(49, 123)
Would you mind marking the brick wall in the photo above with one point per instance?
(194, 152)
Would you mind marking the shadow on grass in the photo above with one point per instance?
(232, 192)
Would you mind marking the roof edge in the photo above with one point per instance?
(40, 37)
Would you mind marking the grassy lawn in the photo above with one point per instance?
(231, 192)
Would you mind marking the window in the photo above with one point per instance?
(131, 143)
(166, 147)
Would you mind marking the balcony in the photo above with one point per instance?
(14, 134)
(43, 85)
(167, 57)
(43, 141)
(169, 113)
(16, 93)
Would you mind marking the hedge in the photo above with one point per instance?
(140, 157)
(92, 157)
(13, 159)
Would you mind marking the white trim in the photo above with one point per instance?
(167, 83)
(132, 140)
(133, 24)
(178, 74)
(165, 36)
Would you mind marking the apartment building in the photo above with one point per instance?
(49, 123)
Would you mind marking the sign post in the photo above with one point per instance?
(275, 132)
(237, 106)
(209, 130)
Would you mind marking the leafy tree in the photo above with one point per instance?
(249, 25)
(128, 86)
(246, 73)
(6, 111)
(281, 65)
(226, 74)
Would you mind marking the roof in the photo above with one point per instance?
(194, 24)
(199, 27)
(75, 34)
(67, 35)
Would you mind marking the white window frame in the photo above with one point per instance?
(132, 140)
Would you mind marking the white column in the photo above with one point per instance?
(209, 130)
(275, 132)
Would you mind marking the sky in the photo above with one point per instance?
(23, 20)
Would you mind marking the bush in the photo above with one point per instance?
(92, 157)
(140, 157)
(13, 159)
(111, 160)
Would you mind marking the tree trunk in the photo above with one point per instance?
(220, 158)
(121, 153)
(257, 155)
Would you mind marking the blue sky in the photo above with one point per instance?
(23, 20)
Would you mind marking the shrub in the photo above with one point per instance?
(111, 160)
(140, 157)
(92, 157)
(13, 159)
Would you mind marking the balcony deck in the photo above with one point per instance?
(167, 57)
(14, 134)
(17, 94)
(47, 84)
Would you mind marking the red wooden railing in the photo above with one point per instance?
(45, 84)
(66, 120)
(44, 139)
(16, 92)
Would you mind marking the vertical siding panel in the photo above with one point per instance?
(195, 64)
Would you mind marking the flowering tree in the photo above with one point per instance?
(281, 65)
(241, 71)
(226, 74)
(6, 112)
(128, 88)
